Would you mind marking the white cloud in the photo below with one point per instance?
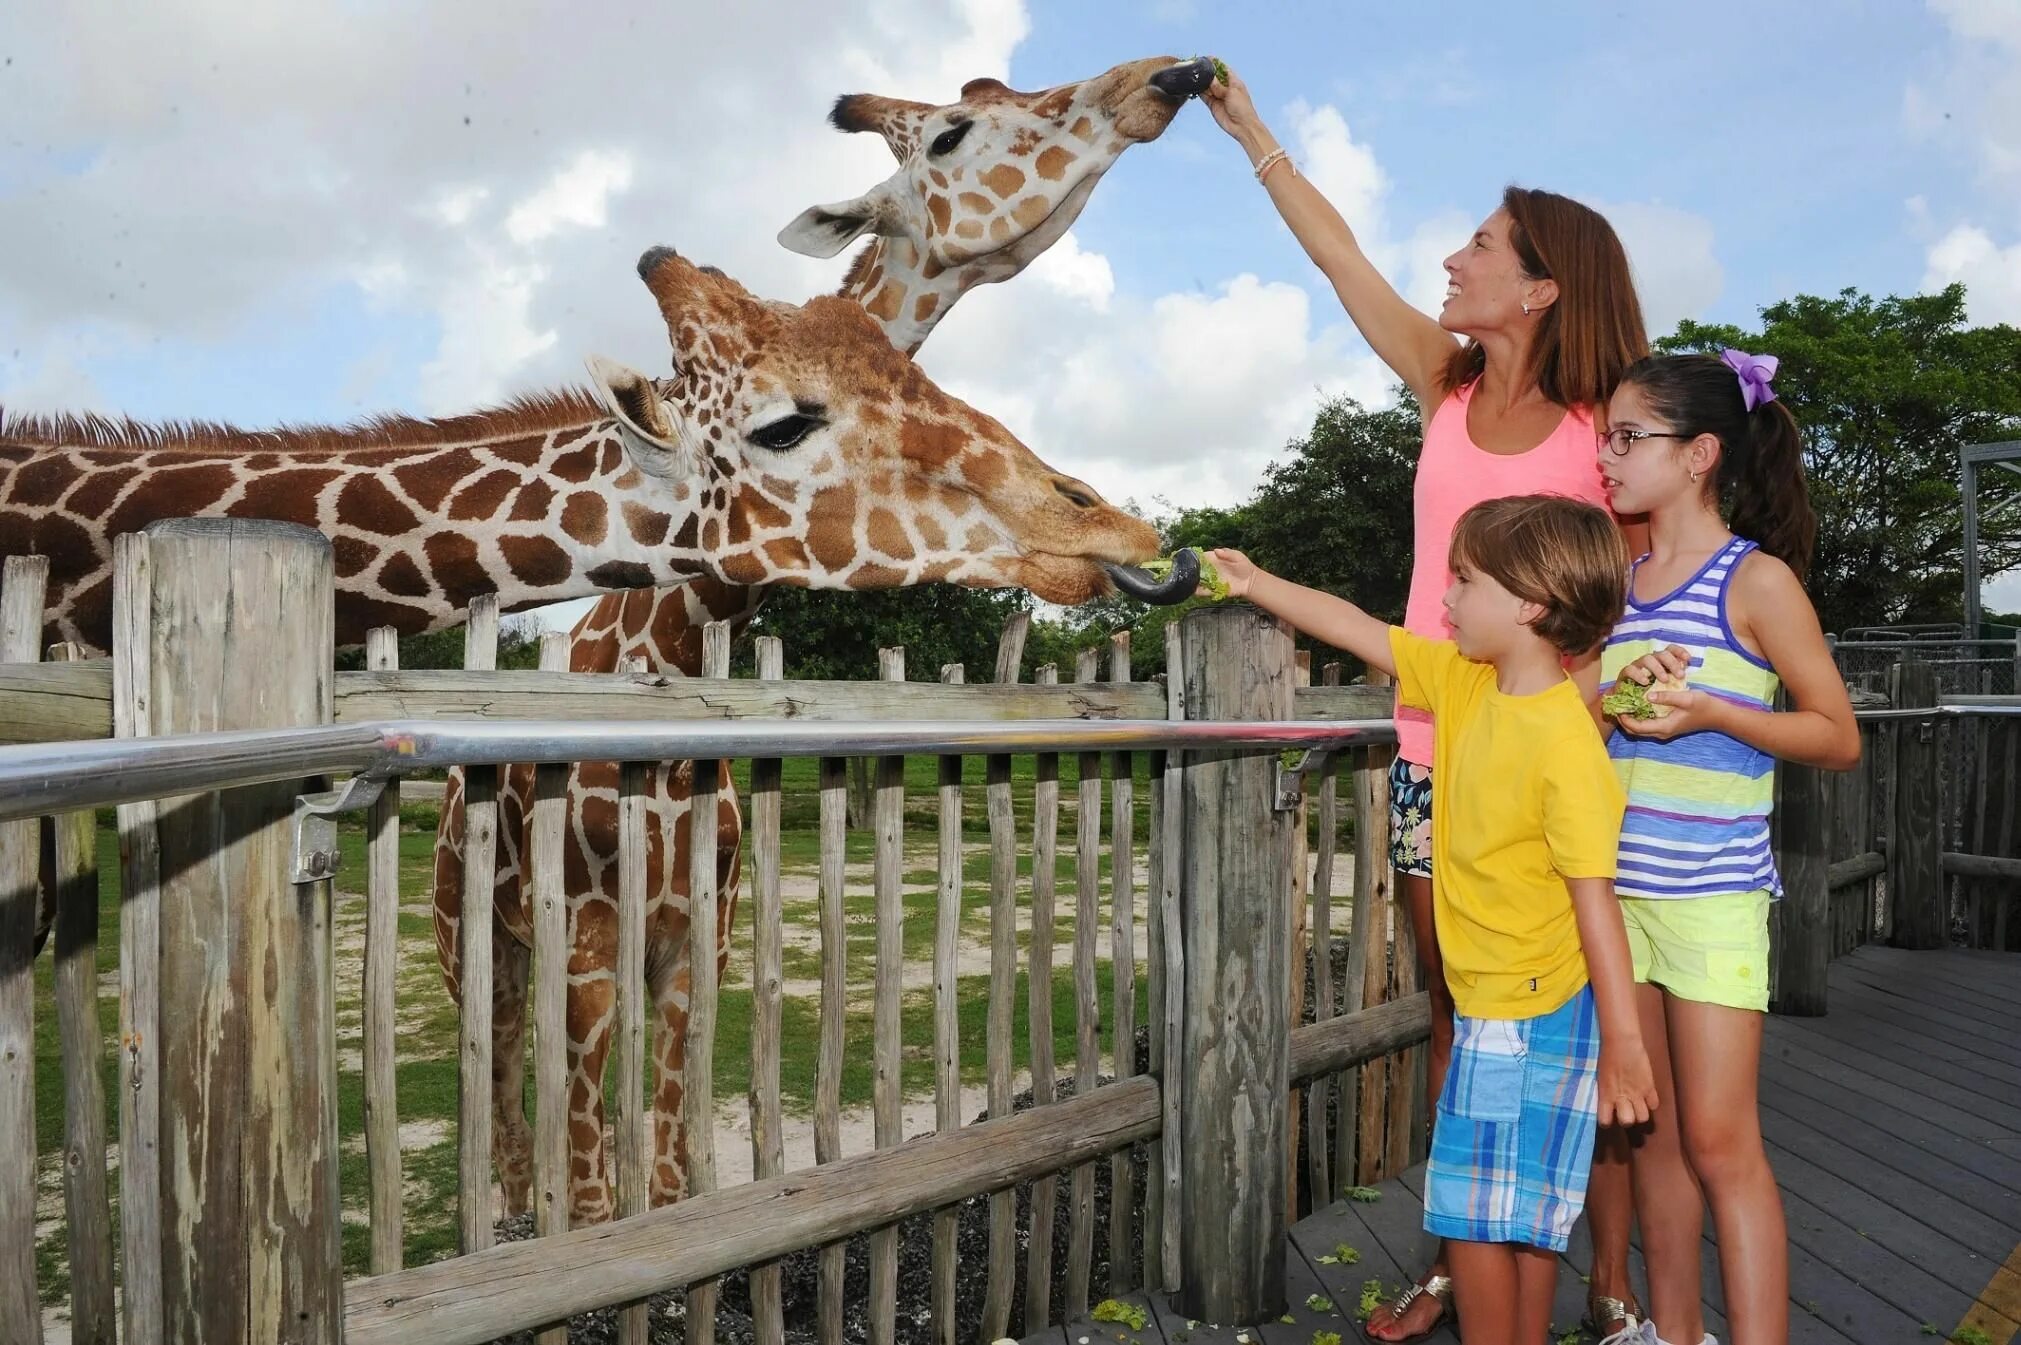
(1345, 171)
(578, 195)
(1670, 252)
(1991, 274)
(1082, 275)
(1972, 97)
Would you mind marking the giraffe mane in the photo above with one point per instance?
(532, 413)
(859, 266)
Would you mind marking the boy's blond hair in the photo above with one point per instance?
(1565, 555)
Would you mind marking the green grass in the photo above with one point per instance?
(427, 1070)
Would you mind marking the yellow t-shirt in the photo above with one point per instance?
(1523, 797)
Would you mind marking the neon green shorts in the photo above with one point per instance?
(1710, 949)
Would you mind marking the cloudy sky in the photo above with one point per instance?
(314, 211)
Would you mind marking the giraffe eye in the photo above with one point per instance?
(786, 432)
(945, 142)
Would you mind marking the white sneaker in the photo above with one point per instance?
(1642, 1333)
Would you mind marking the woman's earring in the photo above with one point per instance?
(1526, 310)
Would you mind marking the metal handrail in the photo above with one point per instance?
(62, 777)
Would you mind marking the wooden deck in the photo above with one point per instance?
(1894, 1125)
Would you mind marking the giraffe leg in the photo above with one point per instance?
(511, 1135)
(670, 1063)
(592, 1006)
(448, 904)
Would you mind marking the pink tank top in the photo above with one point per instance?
(1454, 474)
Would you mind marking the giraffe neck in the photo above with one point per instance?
(421, 519)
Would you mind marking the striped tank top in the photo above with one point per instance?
(1698, 805)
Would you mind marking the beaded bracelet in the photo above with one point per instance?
(1271, 160)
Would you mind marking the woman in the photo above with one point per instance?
(1539, 321)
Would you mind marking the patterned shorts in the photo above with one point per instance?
(1410, 818)
(1513, 1144)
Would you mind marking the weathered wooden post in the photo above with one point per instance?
(1916, 842)
(238, 623)
(1234, 894)
(1803, 919)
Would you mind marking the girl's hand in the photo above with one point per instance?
(1237, 570)
(1231, 105)
(1662, 665)
(1690, 712)
(1627, 1085)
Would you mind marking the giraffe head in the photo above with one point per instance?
(818, 455)
(998, 173)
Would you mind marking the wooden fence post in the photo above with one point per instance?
(1802, 925)
(1234, 876)
(241, 620)
(1916, 853)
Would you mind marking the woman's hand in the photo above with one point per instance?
(1235, 112)
(1668, 664)
(1237, 570)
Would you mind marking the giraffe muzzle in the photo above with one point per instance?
(1187, 80)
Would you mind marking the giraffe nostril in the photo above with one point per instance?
(1075, 493)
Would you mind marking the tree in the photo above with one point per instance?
(833, 634)
(1887, 391)
(518, 647)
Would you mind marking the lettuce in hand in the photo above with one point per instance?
(1630, 700)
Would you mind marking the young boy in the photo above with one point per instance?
(1526, 825)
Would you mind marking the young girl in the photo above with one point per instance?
(1719, 603)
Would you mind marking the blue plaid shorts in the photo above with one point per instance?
(1513, 1143)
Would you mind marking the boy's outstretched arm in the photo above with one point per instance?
(1325, 618)
(1627, 1084)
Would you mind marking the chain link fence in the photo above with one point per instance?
(1964, 667)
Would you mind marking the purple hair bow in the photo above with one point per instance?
(1755, 372)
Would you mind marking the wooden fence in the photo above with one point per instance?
(229, 1208)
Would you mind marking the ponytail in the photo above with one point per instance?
(1770, 503)
(1760, 481)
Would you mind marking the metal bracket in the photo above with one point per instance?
(1290, 789)
(315, 855)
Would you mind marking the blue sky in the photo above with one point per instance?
(360, 206)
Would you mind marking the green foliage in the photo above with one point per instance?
(518, 647)
(1341, 1255)
(1366, 1195)
(834, 634)
(1887, 391)
(1130, 1315)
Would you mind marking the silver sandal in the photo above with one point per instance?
(1438, 1287)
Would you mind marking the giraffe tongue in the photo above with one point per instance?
(1180, 81)
(1160, 590)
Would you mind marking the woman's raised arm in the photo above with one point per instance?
(1409, 342)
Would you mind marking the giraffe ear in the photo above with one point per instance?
(652, 435)
(824, 230)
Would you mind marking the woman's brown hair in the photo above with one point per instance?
(1594, 331)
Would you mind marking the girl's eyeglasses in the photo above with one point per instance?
(1619, 441)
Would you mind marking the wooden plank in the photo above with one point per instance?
(947, 1019)
(1909, 1040)
(698, 1097)
(1370, 700)
(366, 696)
(834, 1019)
(1375, 895)
(1320, 1140)
(548, 903)
(87, 1203)
(1299, 862)
(1988, 974)
(480, 864)
(242, 639)
(1310, 1305)
(1366, 1034)
(23, 595)
(1171, 1029)
(1385, 1235)
(55, 702)
(1882, 991)
(382, 972)
(1829, 1171)
(1983, 866)
(886, 1096)
(1039, 1014)
(630, 1146)
(1803, 932)
(1234, 866)
(1916, 842)
(1911, 1127)
(1941, 1017)
(1122, 976)
(140, 1242)
(1003, 863)
(1937, 1081)
(1087, 1003)
(1799, 1053)
(768, 1145)
(478, 1298)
